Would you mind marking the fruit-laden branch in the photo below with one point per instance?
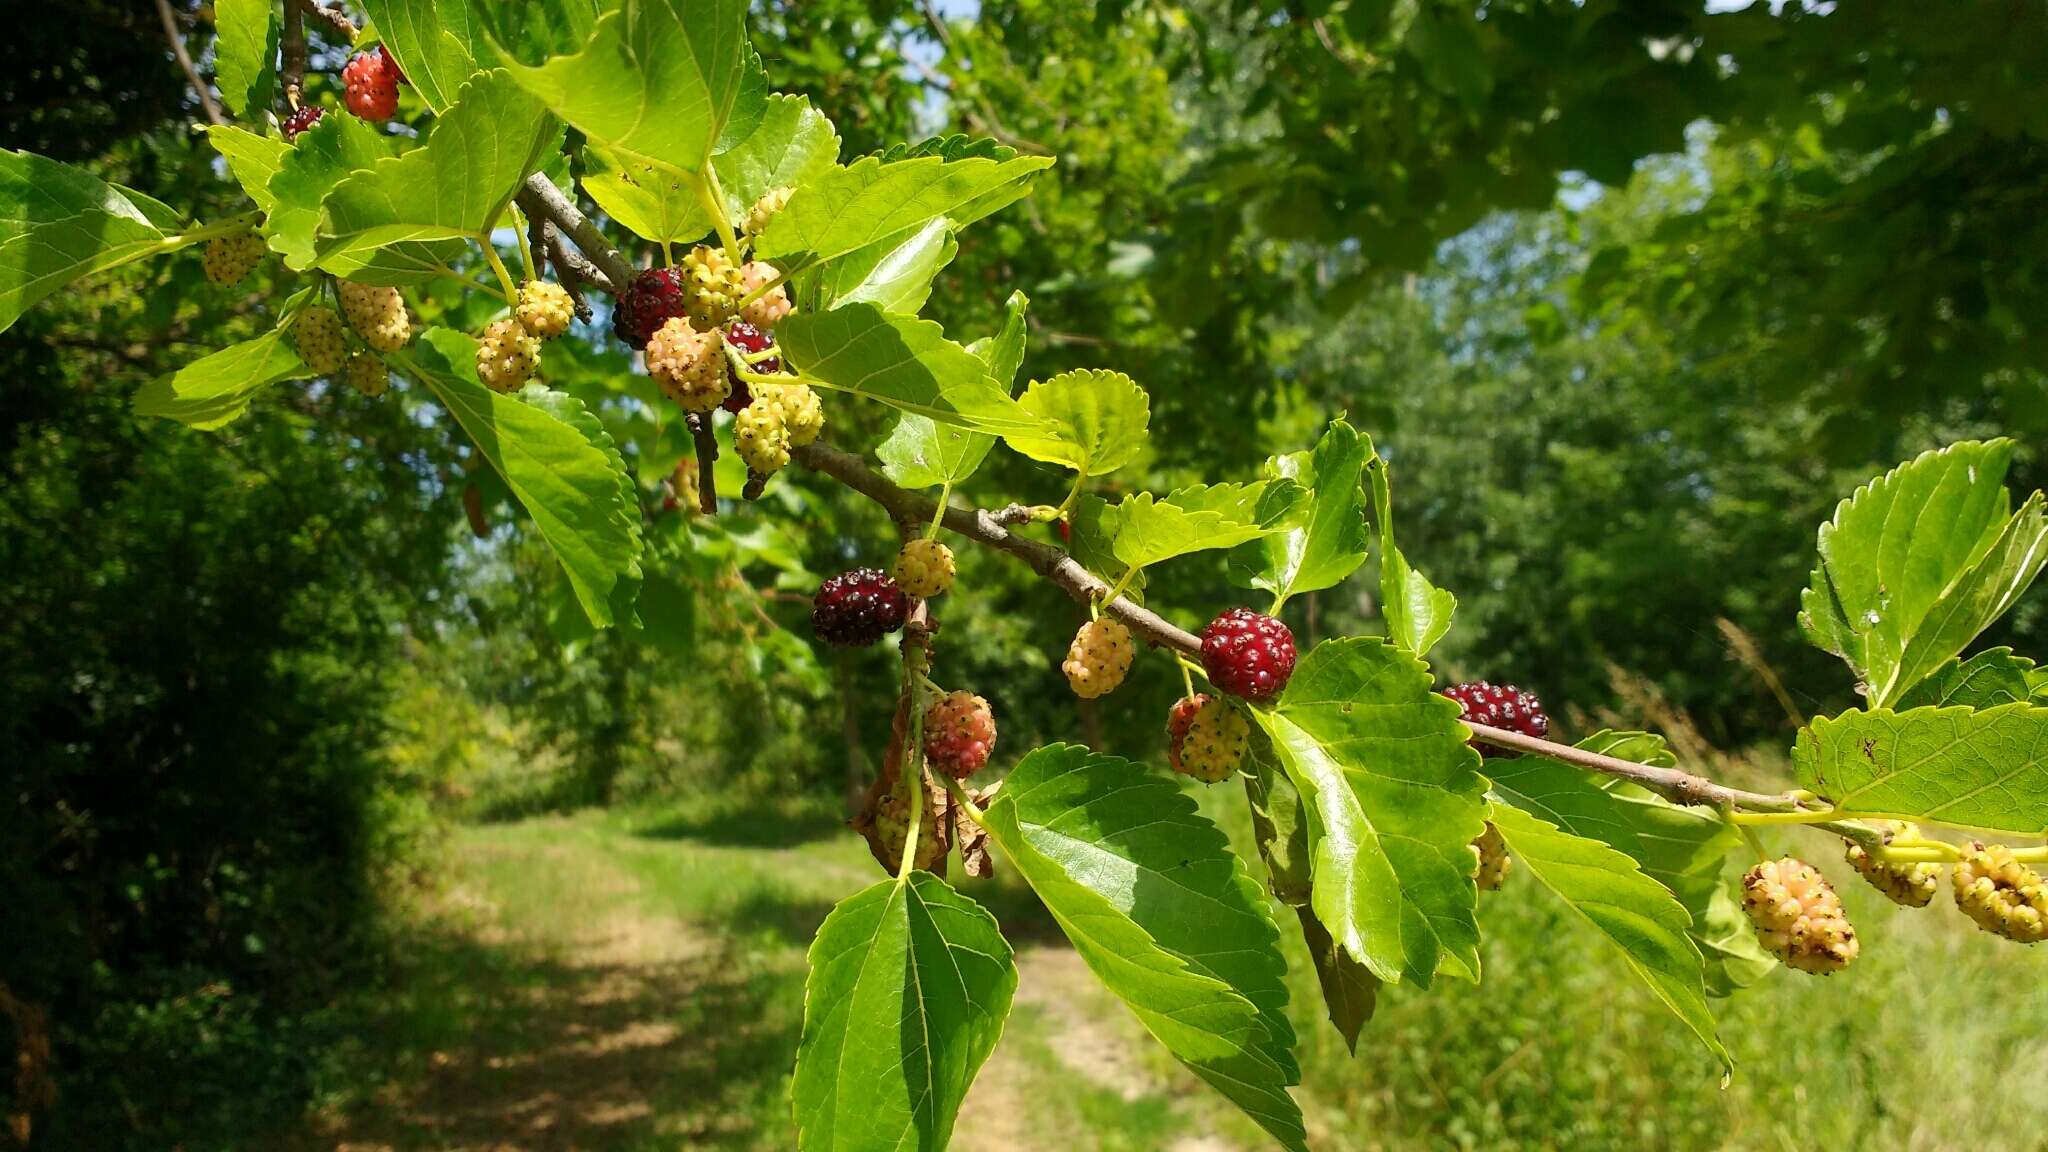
(541, 197)
(610, 271)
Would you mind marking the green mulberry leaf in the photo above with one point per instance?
(1393, 798)
(1639, 916)
(1970, 768)
(910, 984)
(1163, 913)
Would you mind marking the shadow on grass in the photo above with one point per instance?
(481, 1045)
(745, 828)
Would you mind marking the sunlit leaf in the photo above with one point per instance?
(1095, 421)
(252, 159)
(1329, 544)
(868, 202)
(1417, 612)
(454, 186)
(1393, 798)
(245, 54)
(1637, 915)
(1685, 849)
(437, 43)
(1147, 530)
(1975, 769)
(1919, 561)
(1992, 677)
(559, 463)
(1163, 913)
(213, 390)
(901, 361)
(910, 984)
(919, 452)
(657, 83)
(59, 224)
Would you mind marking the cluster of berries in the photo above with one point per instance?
(369, 82)
(509, 352)
(377, 314)
(697, 326)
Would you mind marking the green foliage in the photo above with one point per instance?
(1330, 545)
(1094, 421)
(1634, 912)
(454, 186)
(245, 54)
(910, 984)
(217, 388)
(1223, 203)
(1684, 849)
(1919, 562)
(560, 464)
(1962, 766)
(59, 223)
(1391, 796)
(1150, 895)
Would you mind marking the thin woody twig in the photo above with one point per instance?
(334, 17)
(293, 73)
(176, 36)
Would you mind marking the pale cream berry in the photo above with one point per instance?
(712, 286)
(1912, 885)
(507, 356)
(764, 210)
(689, 364)
(228, 259)
(1491, 859)
(2002, 895)
(316, 334)
(544, 308)
(924, 568)
(377, 313)
(1798, 917)
(761, 437)
(766, 310)
(1098, 658)
(367, 374)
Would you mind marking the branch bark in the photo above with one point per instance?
(293, 74)
(609, 270)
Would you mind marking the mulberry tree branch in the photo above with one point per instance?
(541, 197)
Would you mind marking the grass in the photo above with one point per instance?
(633, 980)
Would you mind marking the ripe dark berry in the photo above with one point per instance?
(1500, 706)
(371, 79)
(747, 338)
(302, 119)
(1247, 654)
(854, 609)
(651, 300)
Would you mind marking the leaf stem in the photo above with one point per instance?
(1755, 842)
(1117, 589)
(1073, 494)
(1814, 816)
(525, 249)
(939, 514)
(498, 266)
(761, 291)
(713, 198)
(241, 222)
(959, 796)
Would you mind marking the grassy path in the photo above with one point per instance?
(607, 984)
(620, 982)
